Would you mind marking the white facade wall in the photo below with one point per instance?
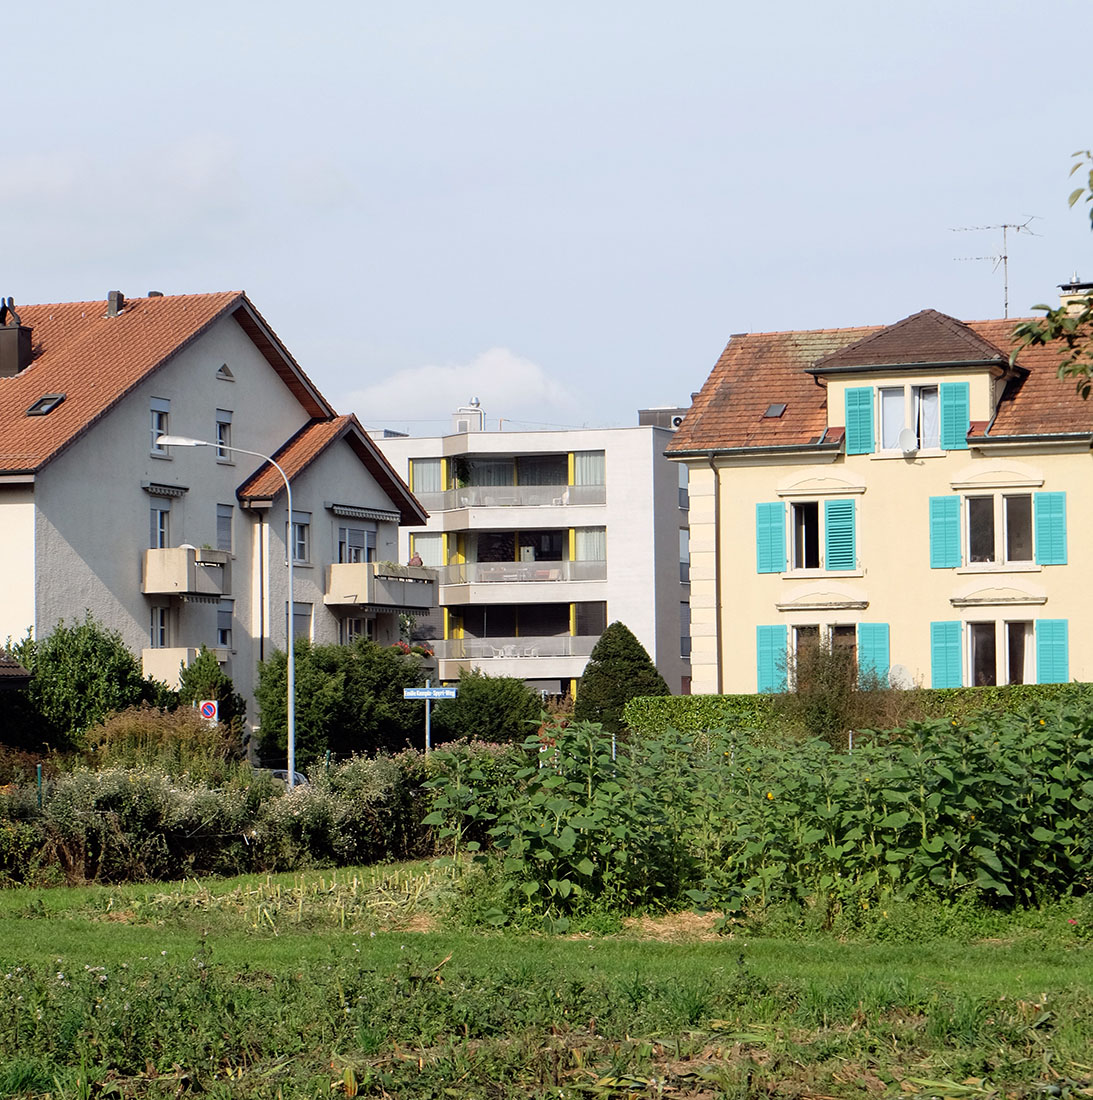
(16, 560)
(641, 515)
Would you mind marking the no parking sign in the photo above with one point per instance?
(210, 710)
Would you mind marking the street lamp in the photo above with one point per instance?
(186, 441)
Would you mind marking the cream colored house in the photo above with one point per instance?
(179, 547)
(901, 490)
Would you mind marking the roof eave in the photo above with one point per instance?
(1001, 365)
(783, 449)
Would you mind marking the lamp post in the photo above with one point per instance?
(186, 441)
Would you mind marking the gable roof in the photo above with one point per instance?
(12, 674)
(924, 338)
(315, 437)
(95, 360)
(757, 370)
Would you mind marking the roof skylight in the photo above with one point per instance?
(45, 404)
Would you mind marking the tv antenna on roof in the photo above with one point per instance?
(1002, 259)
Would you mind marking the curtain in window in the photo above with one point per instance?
(590, 544)
(429, 548)
(542, 470)
(928, 417)
(489, 471)
(891, 418)
(588, 468)
(426, 475)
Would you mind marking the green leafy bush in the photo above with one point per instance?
(80, 673)
(205, 679)
(348, 701)
(488, 708)
(618, 670)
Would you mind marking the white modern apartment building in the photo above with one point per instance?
(542, 538)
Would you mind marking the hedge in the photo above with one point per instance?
(693, 714)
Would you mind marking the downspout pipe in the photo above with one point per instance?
(719, 632)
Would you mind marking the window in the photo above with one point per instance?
(999, 652)
(684, 555)
(685, 631)
(426, 475)
(590, 544)
(223, 435)
(301, 620)
(806, 534)
(938, 415)
(224, 513)
(914, 407)
(299, 536)
(224, 611)
(356, 544)
(429, 547)
(160, 414)
(589, 468)
(159, 633)
(684, 498)
(45, 405)
(820, 538)
(1000, 529)
(160, 536)
(356, 627)
(590, 618)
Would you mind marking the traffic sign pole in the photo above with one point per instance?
(428, 732)
(429, 693)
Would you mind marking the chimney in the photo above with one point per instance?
(15, 345)
(1075, 294)
(115, 303)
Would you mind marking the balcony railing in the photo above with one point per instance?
(475, 649)
(187, 571)
(513, 496)
(383, 585)
(498, 572)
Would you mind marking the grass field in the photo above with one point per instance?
(347, 983)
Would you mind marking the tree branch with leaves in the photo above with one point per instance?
(1070, 326)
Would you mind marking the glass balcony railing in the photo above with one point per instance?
(498, 572)
(475, 649)
(512, 496)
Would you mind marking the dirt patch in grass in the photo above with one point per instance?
(674, 927)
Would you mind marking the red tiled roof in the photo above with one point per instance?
(95, 360)
(310, 442)
(925, 337)
(757, 370)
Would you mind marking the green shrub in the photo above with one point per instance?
(179, 743)
(488, 708)
(205, 679)
(618, 670)
(348, 701)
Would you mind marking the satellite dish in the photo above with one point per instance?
(908, 441)
(899, 676)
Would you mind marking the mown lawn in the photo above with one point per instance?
(346, 983)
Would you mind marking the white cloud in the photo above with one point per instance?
(421, 400)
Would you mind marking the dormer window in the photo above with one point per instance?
(45, 405)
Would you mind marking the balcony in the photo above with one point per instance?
(526, 658)
(384, 586)
(513, 496)
(188, 572)
(522, 572)
(165, 664)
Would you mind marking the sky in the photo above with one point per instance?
(564, 209)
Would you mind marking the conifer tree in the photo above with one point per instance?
(618, 670)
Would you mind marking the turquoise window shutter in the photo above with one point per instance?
(945, 663)
(1052, 652)
(859, 421)
(770, 537)
(944, 532)
(955, 415)
(840, 549)
(1049, 510)
(770, 645)
(873, 653)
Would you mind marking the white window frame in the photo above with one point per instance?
(224, 436)
(160, 418)
(224, 608)
(159, 627)
(159, 522)
(299, 538)
(911, 418)
(1000, 548)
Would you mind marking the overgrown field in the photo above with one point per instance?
(355, 983)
